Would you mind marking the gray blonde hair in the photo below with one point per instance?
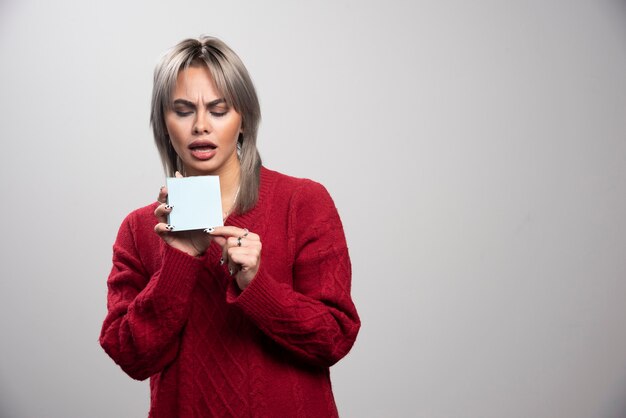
(232, 80)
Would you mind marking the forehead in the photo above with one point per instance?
(195, 82)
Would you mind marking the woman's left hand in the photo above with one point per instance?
(241, 251)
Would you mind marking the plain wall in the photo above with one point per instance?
(476, 152)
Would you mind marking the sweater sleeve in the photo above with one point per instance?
(146, 314)
(315, 318)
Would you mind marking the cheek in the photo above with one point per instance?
(231, 129)
(173, 129)
(175, 138)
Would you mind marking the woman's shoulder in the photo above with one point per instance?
(142, 217)
(295, 193)
(137, 230)
(290, 184)
(311, 210)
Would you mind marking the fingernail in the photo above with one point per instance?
(222, 261)
(169, 227)
(168, 207)
(209, 230)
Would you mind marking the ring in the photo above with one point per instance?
(245, 233)
(239, 241)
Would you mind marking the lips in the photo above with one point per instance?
(202, 149)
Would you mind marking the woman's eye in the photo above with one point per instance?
(182, 113)
(218, 111)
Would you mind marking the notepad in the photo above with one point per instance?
(196, 201)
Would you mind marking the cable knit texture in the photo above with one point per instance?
(212, 350)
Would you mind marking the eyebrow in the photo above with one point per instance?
(191, 104)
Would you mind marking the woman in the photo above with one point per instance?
(239, 320)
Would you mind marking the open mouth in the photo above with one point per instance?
(202, 149)
(202, 146)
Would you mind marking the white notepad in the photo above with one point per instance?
(196, 201)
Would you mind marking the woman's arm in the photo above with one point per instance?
(146, 314)
(316, 318)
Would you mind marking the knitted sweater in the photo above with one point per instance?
(212, 350)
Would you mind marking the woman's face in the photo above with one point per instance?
(203, 129)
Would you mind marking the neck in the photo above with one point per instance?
(229, 182)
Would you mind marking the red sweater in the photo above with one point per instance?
(211, 349)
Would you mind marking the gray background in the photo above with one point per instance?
(476, 152)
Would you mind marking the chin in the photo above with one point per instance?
(201, 169)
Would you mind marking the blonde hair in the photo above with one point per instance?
(232, 80)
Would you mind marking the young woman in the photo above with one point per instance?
(242, 320)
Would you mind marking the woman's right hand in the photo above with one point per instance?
(194, 243)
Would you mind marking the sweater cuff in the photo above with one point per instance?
(179, 271)
(263, 298)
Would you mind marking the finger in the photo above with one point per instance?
(238, 261)
(226, 260)
(246, 267)
(221, 241)
(162, 195)
(232, 242)
(243, 256)
(240, 257)
(163, 228)
(232, 254)
(233, 268)
(162, 211)
(249, 249)
(241, 242)
(233, 231)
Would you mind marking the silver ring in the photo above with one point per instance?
(245, 233)
(239, 241)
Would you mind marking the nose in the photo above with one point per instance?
(202, 124)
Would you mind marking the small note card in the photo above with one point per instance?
(196, 201)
